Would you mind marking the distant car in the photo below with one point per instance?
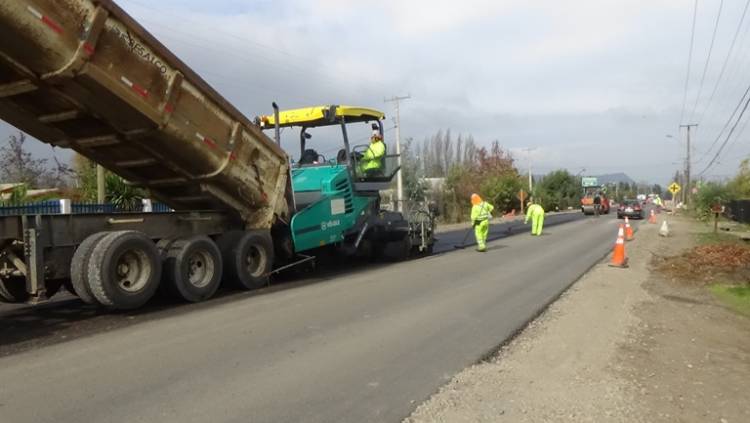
(630, 208)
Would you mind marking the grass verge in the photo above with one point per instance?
(736, 297)
(704, 238)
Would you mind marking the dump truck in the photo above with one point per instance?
(84, 75)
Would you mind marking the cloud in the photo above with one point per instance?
(595, 83)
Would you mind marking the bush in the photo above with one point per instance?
(709, 194)
(122, 195)
(501, 191)
(558, 190)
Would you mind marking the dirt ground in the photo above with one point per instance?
(622, 345)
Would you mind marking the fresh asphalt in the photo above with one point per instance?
(354, 345)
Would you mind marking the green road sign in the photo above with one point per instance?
(589, 181)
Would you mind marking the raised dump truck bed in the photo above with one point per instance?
(83, 74)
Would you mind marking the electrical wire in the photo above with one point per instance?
(740, 133)
(690, 60)
(726, 124)
(726, 61)
(729, 135)
(708, 59)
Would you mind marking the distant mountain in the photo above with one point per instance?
(614, 178)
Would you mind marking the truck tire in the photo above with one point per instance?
(248, 257)
(13, 290)
(79, 267)
(124, 270)
(192, 269)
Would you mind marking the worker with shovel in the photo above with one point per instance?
(535, 212)
(481, 213)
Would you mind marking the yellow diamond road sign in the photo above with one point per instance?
(674, 188)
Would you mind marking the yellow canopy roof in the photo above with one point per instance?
(321, 116)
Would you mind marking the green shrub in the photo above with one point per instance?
(709, 194)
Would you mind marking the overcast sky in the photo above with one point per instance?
(595, 84)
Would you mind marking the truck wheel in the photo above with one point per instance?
(79, 267)
(192, 269)
(124, 270)
(13, 290)
(248, 257)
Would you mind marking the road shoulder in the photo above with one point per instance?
(617, 346)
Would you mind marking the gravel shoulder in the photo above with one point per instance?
(620, 345)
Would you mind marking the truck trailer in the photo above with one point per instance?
(84, 75)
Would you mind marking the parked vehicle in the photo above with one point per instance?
(630, 208)
(82, 74)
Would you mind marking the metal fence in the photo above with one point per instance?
(739, 210)
(55, 207)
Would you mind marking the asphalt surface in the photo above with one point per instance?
(361, 345)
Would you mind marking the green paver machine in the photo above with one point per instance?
(335, 202)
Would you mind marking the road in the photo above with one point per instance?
(368, 345)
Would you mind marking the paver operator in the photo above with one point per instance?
(535, 212)
(371, 162)
(481, 213)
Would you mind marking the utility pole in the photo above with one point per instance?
(686, 188)
(399, 181)
(531, 183)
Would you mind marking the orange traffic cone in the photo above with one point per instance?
(652, 217)
(618, 255)
(628, 230)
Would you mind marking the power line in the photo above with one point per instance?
(739, 135)
(726, 60)
(708, 59)
(726, 125)
(729, 135)
(690, 60)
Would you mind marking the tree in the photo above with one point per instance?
(502, 190)
(17, 164)
(558, 190)
(739, 186)
(709, 194)
(117, 190)
(411, 173)
(85, 171)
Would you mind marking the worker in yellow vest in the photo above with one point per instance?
(535, 212)
(371, 163)
(481, 213)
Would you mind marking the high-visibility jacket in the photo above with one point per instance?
(373, 156)
(534, 210)
(481, 211)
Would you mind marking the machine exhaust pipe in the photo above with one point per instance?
(276, 131)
